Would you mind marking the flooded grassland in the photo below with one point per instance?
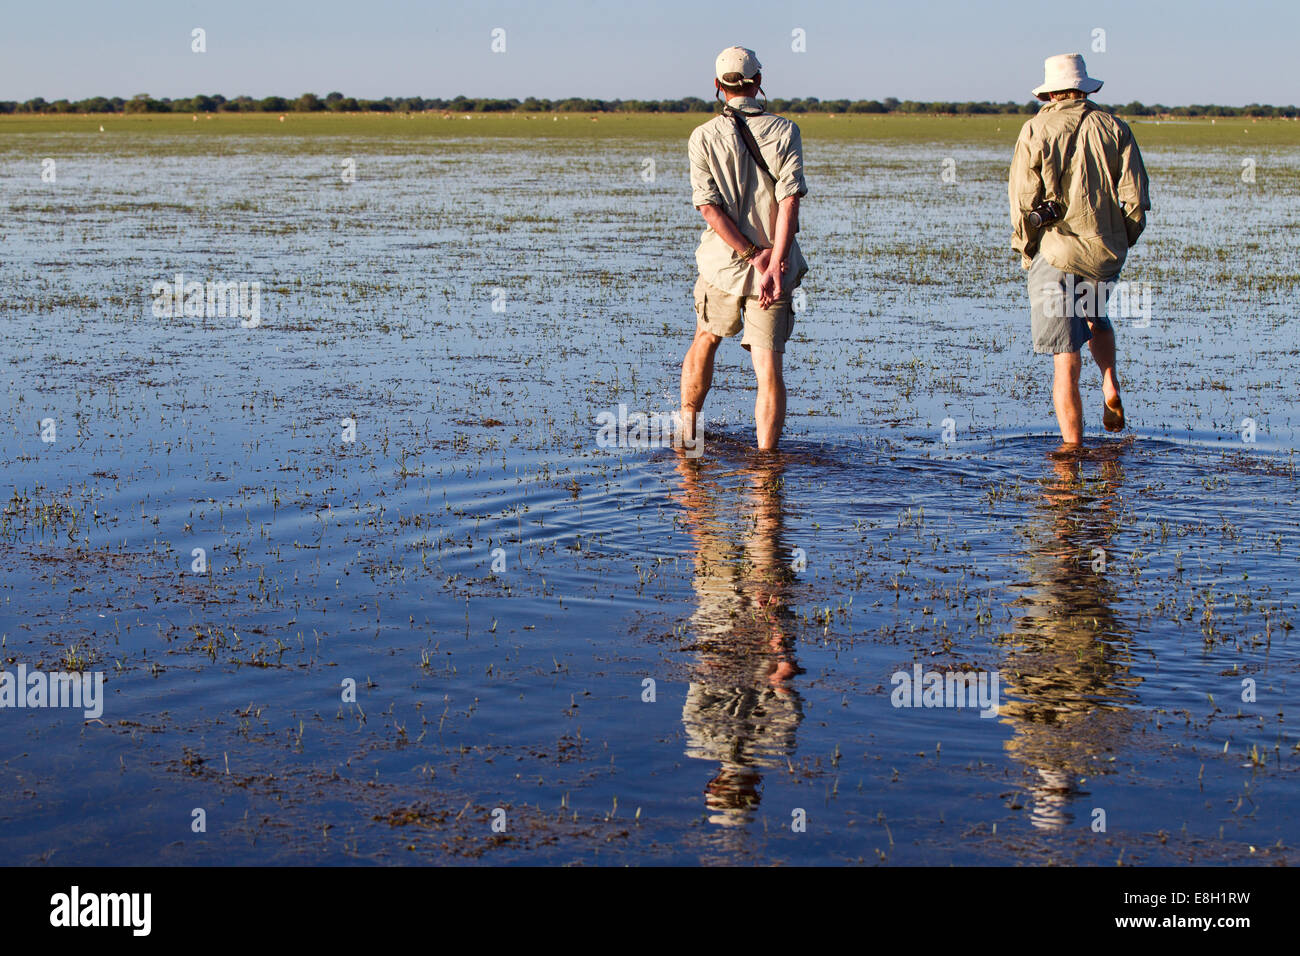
(363, 585)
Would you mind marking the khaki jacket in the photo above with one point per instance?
(1104, 190)
(724, 174)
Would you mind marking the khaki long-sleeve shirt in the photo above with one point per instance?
(1104, 190)
(723, 174)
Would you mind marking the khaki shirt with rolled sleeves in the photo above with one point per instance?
(1104, 190)
(724, 174)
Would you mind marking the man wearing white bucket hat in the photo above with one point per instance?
(1078, 193)
(746, 180)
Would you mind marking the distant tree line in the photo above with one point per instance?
(338, 103)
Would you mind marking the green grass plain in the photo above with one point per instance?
(1222, 132)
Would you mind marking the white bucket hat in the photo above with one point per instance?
(736, 61)
(1066, 72)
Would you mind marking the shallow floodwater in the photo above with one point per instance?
(634, 656)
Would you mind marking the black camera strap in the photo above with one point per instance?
(751, 144)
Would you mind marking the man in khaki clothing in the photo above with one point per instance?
(1079, 198)
(748, 258)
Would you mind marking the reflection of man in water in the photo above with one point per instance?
(1066, 663)
(741, 710)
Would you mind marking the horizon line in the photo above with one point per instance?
(289, 101)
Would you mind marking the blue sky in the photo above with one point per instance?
(1194, 51)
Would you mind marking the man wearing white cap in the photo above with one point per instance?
(1079, 198)
(746, 180)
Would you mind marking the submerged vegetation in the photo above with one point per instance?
(399, 631)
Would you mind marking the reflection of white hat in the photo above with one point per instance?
(1066, 72)
(736, 66)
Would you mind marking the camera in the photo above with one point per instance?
(1045, 213)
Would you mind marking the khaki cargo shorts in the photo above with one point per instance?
(721, 314)
(1064, 310)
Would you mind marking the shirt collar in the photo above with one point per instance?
(748, 105)
(1065, 104)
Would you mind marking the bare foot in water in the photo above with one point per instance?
(1067, 452)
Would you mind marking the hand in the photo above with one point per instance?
(770, 284)
(760, 260)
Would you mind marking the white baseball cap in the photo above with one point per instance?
(736, 66)
(1066, 71)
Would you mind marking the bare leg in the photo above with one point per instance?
(1102, 345)
(1065, 396)
(697, 377)
(769, 407)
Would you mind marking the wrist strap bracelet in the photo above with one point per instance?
(750, 252)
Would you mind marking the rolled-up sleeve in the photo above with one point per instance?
(1025, 190)
(704, 189)
(789, 178)
(1133, 186)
